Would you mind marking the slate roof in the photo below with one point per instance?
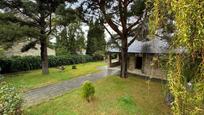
(154, 46)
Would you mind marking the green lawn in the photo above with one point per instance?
(33, 79)
(114, 96)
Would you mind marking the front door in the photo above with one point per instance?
(138, 64)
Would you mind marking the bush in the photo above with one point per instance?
(16, 64)
(99, 55)
(88, 90)
(1, 52)
(10, 100)
(74, 67)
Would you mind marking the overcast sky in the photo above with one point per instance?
(85, 27)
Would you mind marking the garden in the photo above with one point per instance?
(113, 96)
(55, 57)
(33, 79)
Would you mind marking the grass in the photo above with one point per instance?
(24, 81)
(114, 96)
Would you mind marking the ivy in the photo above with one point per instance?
(185, 71)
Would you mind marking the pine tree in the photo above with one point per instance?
(10, 32)
(35, 14)
(125, 17)
(95, 38)
(68, 32)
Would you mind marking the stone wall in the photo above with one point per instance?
(131, 61)
(149, 66)
(152, 67)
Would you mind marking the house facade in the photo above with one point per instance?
(15, 50)
(143, 58)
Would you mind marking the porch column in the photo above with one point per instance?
(109, 60)
(119, 57)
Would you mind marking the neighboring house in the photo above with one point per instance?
(82, 52)
(15, 50)
(143, 58)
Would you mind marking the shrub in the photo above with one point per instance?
(1, 52)
(16, 64)
(74, 67)
(99, 55)
(88, 90)
(10, 100)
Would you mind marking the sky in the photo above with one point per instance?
(85, 27)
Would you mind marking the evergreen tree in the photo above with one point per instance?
(100, 39)
(70, 40)
(95, 38)
(11, 32)
(70, 37)
(68, 32)
(36, 14)
(91, 40)
(81, 42)
(125, 17)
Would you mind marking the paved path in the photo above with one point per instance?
(46, 93)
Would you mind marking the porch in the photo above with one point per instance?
(138, 64)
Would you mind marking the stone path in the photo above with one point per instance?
(46, 93)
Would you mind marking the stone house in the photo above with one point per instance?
(15, 50)
(143, 58)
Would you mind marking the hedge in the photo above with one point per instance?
(17, 64)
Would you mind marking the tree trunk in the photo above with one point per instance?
(124, 59)
(44, 56)
(43, 39)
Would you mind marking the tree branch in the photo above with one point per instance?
(112, 37)
(122, 17)
(108, 19)
(117, 23)
(135, 37)
(50, 25)
(134, 24)
(24, 12)
(142, 17)
(136, 34)
(132, 41)
(128, 3)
